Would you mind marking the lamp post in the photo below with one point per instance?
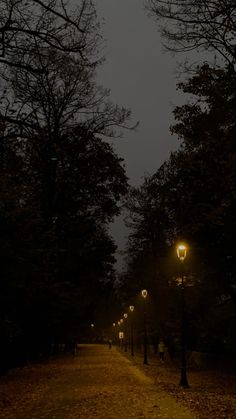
(182, 253)
(122, 339)
(144, 294)
(92, 332)
(114, 332)
(119, 340)
(125, 330)
(131, 331)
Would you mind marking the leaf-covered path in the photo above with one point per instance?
(97, 384)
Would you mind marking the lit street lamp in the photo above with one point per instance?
(118, 323)
(92, 332)
(114, 332)
(125, 331)
(182, 253)
(122, 334)
(131, 331)
(144, 294)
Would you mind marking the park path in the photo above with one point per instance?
(97, 384)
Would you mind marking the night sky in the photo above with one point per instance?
(142, 77)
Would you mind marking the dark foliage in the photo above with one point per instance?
(192, 197)
(60, 180)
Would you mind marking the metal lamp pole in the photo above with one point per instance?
(131, 331)
(92, 332)
(119, 334)
(122, 339)
(145, 360)
(125, 330)
(181, 253)
(114, 333)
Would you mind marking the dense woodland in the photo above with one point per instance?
(61, 181)
(191, 197)
(62, 184)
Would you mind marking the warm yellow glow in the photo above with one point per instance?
(181, 251)
(121, 320)
(125, 315)
(118, 323)
(113, 324)
(144, 293)
(131, 308)
(92, 325)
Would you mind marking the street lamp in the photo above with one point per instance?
(125, 330)
(182, 253)
(144, 294)
(114, 332)
(92, 332)
(122, 334)
(131, 330)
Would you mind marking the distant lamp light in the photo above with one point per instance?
(121, 320)
(181, 251)
(125, 315)
(131, 308)
(113, 324)
(92, 325)
(144, 293)
(54, 158)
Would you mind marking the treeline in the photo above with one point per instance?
(60, 180)
(192, 196)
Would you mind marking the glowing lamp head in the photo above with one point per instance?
(125, 315)
(92, 325)
(113, 324)
(131, 308)
(121, 320)
(181, 251)
(144, 293)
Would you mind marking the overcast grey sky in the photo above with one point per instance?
(141, 76)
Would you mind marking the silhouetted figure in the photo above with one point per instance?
(161, 349)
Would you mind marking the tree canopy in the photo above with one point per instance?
(197, 25)
(191, 197)
(61, 181)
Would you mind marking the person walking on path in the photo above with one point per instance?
(161, 349)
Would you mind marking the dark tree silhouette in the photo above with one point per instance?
(197, 25)
(61, 181)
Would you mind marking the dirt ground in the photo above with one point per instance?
(96, 384)
(212, 391)
(110, 384)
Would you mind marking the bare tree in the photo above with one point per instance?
(66, 96)
(29, 24)
(47, 70)
(197, 24)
